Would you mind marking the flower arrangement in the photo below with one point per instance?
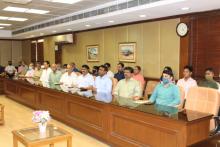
(41, 117)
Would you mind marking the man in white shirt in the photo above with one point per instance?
(85, 82)
(110, 74)
(30, 73)
(187, 82)
(45, 74)
(68, 80)
(103, 84)
(10, 70)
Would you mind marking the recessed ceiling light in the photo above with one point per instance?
(69, 29)
(143, 15)
(37, 11)
(13, 18)
(185, 8)
(3, 18)
(54, 31)
(2, 27)
(25, 10)
(88, 25)
(111, 21)
(64, 1)
(5, 24)
(17, 19)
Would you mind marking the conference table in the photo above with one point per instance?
(116, 121)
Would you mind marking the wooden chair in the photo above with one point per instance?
(150, 88)
(1, 114)
(204, 100)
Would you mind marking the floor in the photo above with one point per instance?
(18, 116)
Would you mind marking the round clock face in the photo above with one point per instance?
(182, 29)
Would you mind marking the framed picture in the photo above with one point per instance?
(92, 52)
(127, 52)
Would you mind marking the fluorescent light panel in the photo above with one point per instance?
(2, 27)
(5, 24)
(25, 10)
(13, 18)
(64, 1)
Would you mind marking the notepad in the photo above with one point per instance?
(141, 101)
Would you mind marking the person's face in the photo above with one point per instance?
(187, 73)
(119, 67)
(38, 66)
(84, 71)
(54, 67)
(31, 65)
(166, 76)
(136, 71)
(102, 71)
(58, 66)
(69, 68)
(127, 74)
(46, 65)
(209, 75)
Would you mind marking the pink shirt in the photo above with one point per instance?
(140, 78)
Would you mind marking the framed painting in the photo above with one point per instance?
(127, 52)
(92, 52)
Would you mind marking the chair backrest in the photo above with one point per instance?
(182, 96)
(114, 83)
(204, 100)
(150, 88)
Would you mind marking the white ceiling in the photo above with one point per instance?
(119, 17)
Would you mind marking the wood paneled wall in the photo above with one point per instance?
(205, 42)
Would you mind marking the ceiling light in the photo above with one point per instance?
(88, 25)
(2, 27)
(37, 11)
(3, 18)
(142, 16)
(17, 19)
(15, 9)
(111, 21)
(25, 10)
(185, 8)
(64, 1)
(13, 18)
(69, 29)
(5, 24)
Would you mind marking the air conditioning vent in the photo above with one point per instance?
(101, 11)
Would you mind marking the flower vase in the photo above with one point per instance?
(42, 127)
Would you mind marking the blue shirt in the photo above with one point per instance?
(169, 96)
(119, 76)
(75, 70)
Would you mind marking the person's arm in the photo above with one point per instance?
(154, 94)
(116, 90)
(137, 91)
(176, 96)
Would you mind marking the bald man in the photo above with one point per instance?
(54, 77)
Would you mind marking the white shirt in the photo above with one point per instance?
(68, 81)
(45, 77)
(103, 84)
(110, 74)
(85, 81)
(187, 84)
(30, 73)
(10, 69)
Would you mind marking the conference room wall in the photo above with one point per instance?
(157, 46)
(26, 51)
(10, 50)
